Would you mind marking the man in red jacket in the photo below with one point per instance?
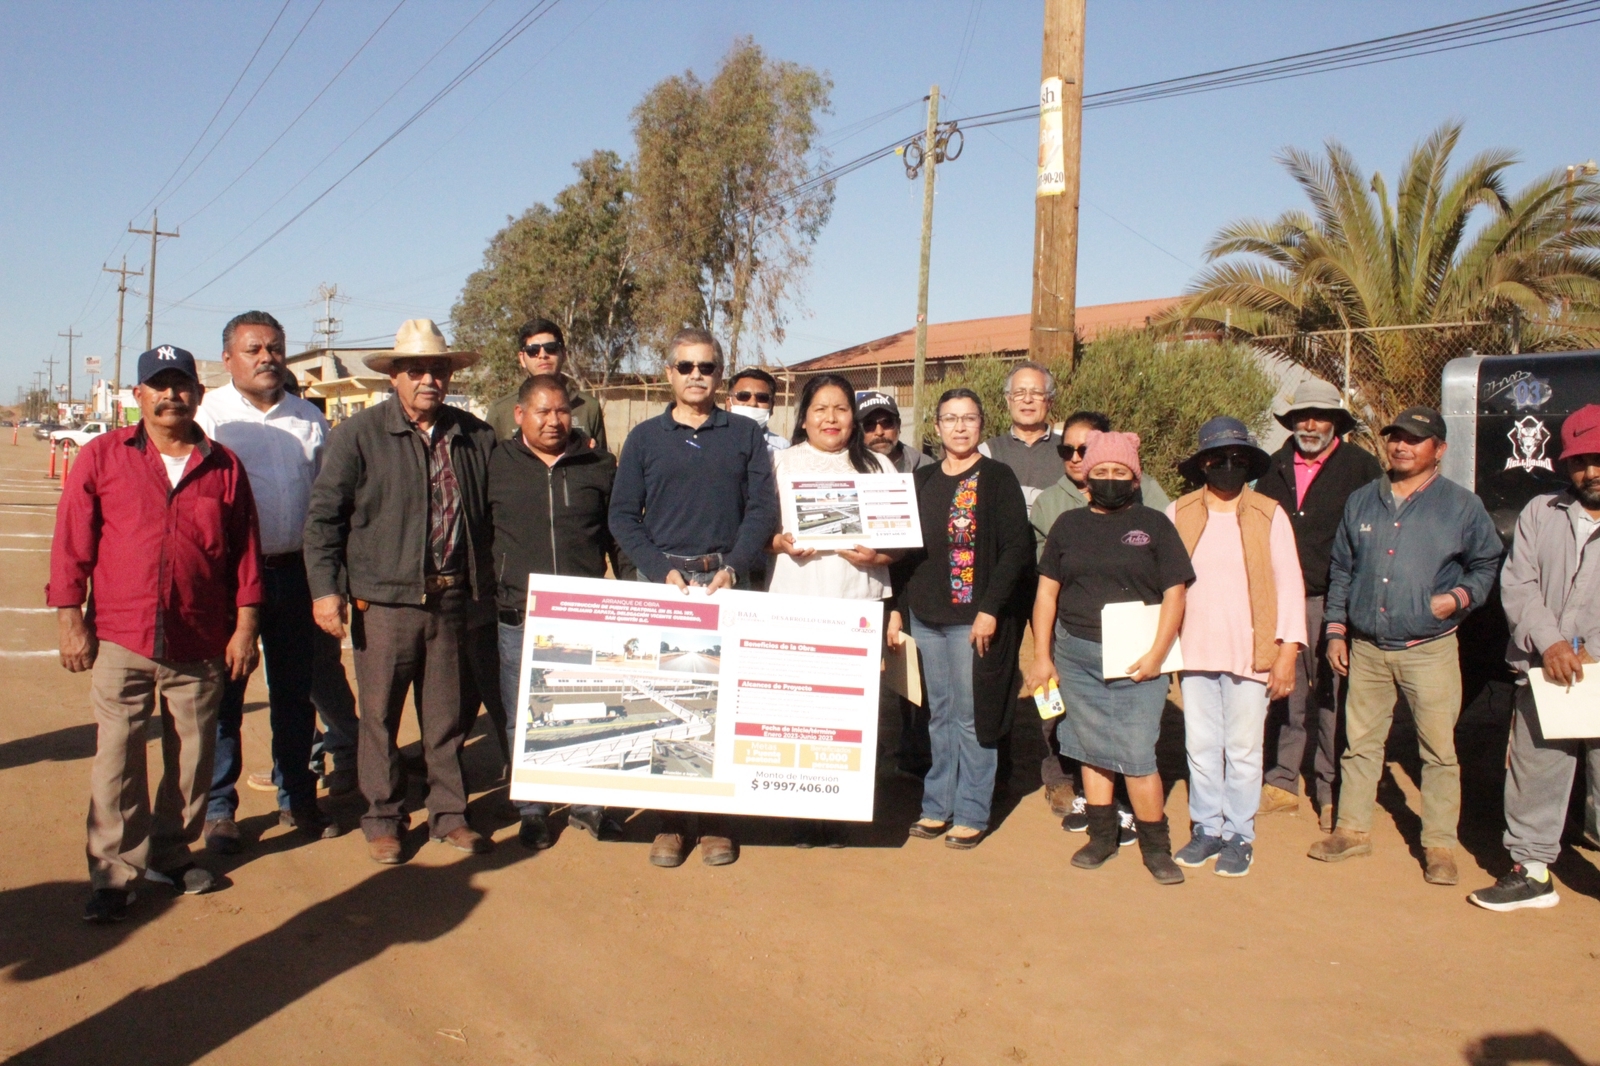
(156, 531)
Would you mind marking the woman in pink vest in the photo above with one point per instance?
(1245, 623)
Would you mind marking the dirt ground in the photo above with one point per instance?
(890, 951)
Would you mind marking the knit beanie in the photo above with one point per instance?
(1112, 448)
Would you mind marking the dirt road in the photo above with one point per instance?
(890, 951)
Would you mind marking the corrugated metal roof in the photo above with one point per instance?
(1004, 335)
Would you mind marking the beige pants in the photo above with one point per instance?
(126, 689)
(1430, 677)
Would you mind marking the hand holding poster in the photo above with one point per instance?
(840, 511)
(636, 695)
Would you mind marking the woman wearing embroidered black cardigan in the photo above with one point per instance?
(965, 597)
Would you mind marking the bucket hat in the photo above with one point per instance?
(1224, 432)
(1314, 394)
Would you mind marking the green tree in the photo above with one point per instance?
(726, 200)
(1161, 389)
(1445, 248)
(572, 264)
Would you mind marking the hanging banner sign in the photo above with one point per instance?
(1052, 157)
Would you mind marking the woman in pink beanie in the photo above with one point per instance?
(1113, 551)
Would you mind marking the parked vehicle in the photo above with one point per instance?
(80, 436)
(43, 430)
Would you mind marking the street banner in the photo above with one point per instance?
(830, 512)
(642, 696)
(1052, 156)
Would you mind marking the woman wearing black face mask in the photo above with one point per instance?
(1245, 628)
(1113, 551)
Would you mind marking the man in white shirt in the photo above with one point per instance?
(278, 437)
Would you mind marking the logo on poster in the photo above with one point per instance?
(1528, 436)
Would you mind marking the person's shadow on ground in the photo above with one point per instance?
(70, 744)
(189, 1016)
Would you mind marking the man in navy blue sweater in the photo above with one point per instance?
(694, 505)
(1414, 554)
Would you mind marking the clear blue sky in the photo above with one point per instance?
(101, 100)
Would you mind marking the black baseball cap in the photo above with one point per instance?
(167, 357)
(870, 402)
(1419, 421)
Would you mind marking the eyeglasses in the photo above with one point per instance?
(685, 367)
(1027, 394)
(548, 348)
(1070, 452)
(952, 421)
(743, 395)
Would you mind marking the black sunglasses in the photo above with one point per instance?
(685, 367)
(548, 348)
(1069, 451)
(743, 395)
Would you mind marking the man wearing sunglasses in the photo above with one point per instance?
(541, 349)
(880, 430)
(752, 393)
(694, 505)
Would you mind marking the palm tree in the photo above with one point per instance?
(1448, 248)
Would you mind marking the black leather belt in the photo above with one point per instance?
(511, 618)
(283, 559)
(436, 583)
(699, 564)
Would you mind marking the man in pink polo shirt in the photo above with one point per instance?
(1311, 477)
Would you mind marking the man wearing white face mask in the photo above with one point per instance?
(752, 394)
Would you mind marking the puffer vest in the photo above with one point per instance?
(1255, 530)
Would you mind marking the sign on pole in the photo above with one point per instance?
(91, 363)
(1052, 158)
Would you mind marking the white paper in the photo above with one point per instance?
(638, 695)
(1566, 713)
(1127, 632)
(903, 672)
(838, 511)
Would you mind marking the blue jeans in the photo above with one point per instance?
(335, 742)
(960, 785)
(1223, 719)
(288, 647)
(510, 681)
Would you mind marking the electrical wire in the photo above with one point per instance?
(517, 29)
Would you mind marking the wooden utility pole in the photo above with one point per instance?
(1055, 220)
(123, 273)
(930, 157)
(70, 337)
(150, 314)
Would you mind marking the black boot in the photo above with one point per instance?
(1102, 844)
(1155, 842)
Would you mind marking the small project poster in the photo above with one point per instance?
(643, 696)
(830, 512)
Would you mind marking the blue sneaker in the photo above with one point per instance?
(1201, 848)
(1236, 857)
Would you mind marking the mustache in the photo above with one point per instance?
(176, 406)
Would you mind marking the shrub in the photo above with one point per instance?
(1161, 390)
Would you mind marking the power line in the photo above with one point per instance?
(295, 121)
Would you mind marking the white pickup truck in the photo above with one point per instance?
(80, 436)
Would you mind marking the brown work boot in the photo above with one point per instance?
(1441, 866)
(1275, 799)
(1341, 844)
(222, 836)
(385, 850)
(668, 850)
(1060, 798)
(465, 838)
(718, 851)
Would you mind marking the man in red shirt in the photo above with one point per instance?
(156, 531)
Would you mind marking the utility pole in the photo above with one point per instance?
(327, 327)
(919, 364)
(123, 273)
(1055, 222)
(50, 363)
(150, 314)
(70, 336)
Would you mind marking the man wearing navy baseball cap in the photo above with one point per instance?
(156, 534)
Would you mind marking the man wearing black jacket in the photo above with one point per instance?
(1311, 477)
(549, 494)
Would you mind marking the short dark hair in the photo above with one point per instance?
(1092, 419)
(760, 375)
(540, 325)
(539, 381)
(960, 394)
(694, 335)
(249, 318)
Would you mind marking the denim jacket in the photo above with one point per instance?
(1389, 562)
(1550, 587)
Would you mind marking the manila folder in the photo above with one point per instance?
(902, 671)
(1127, 630)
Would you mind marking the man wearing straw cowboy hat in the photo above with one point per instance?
(1311, 477)
(399, 528)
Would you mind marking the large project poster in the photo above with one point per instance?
(636, 695)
